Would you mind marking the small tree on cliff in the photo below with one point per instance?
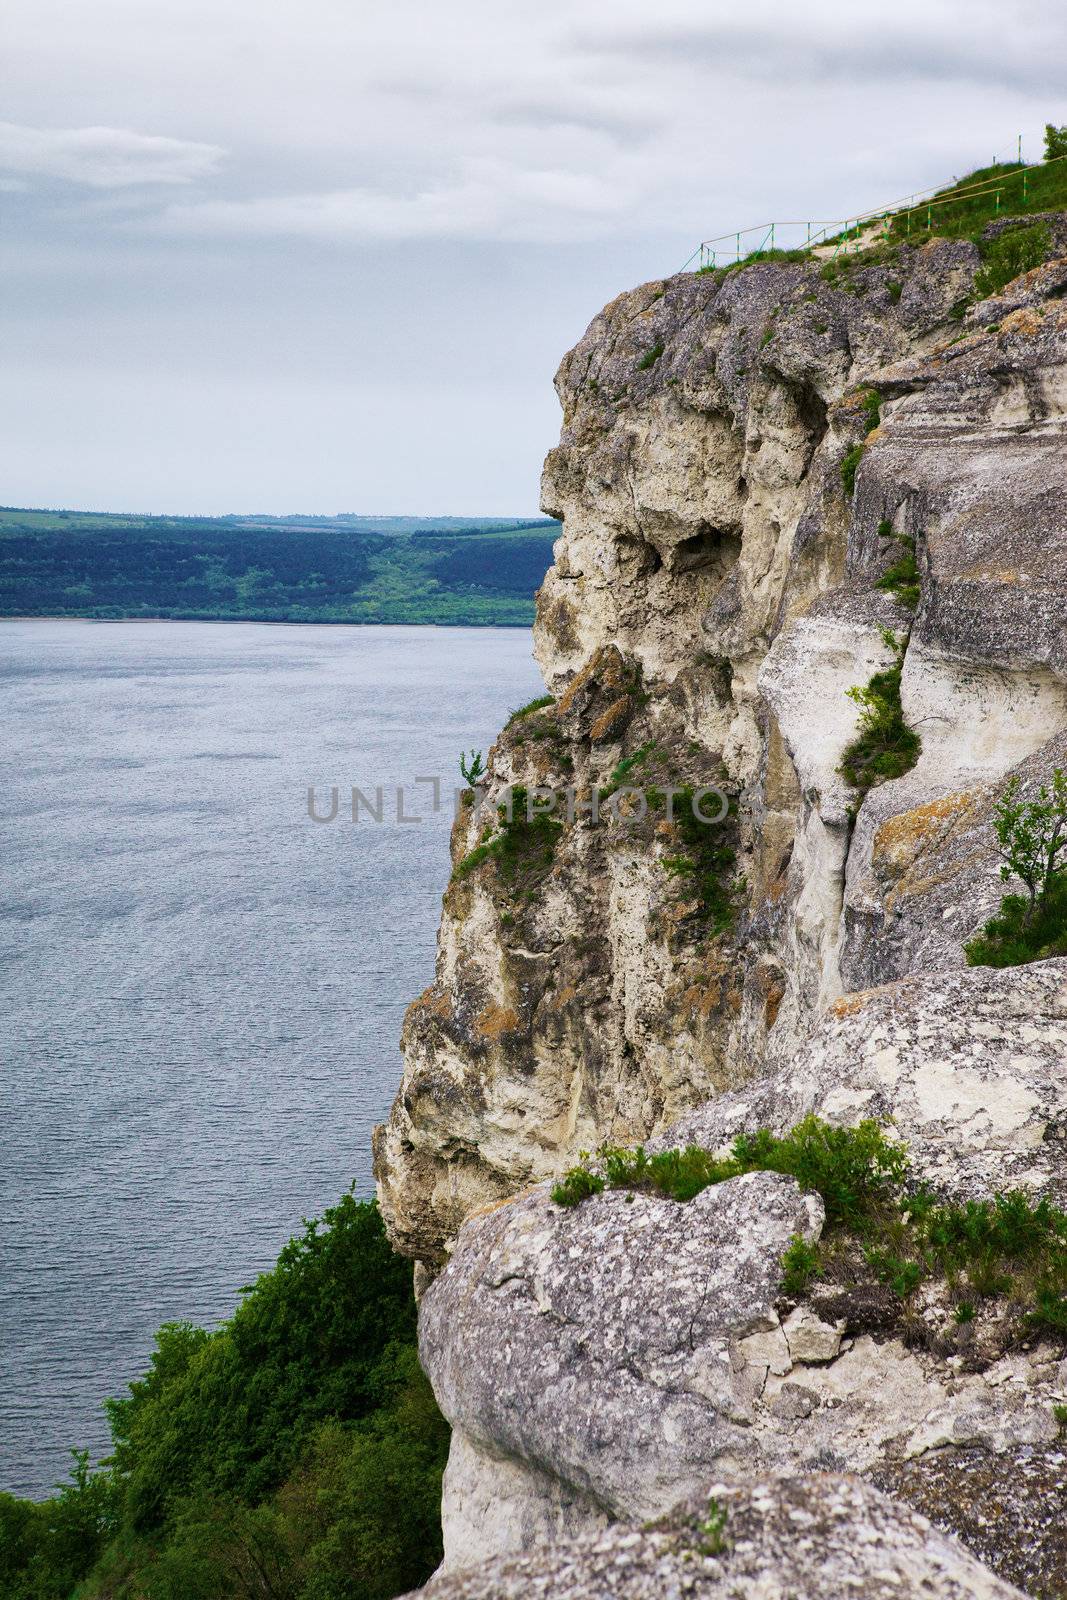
(1032, 844)
(1055, 142)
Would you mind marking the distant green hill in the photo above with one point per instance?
(452, 570)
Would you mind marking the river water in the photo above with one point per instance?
(201, 989)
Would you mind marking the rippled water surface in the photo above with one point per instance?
(201, 988)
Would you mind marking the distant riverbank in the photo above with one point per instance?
(354, 570)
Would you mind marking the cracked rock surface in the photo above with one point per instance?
(808, 1538)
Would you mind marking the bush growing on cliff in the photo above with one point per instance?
(294, 1452)
(1010, 1249)
(885, 746)
(1032, 843)
(523, 847)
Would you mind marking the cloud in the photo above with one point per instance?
(878, 55)
(491, 200)
(104, 158)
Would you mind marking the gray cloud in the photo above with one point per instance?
(104, 158)
(789, 53)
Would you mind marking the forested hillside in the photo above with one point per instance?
(272, 569)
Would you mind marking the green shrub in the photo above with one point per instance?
(522, 849)
(1032, 844)
(849, 466)
(885, 746)
(902, 578)
(1021, 932)
(1012, 252)
(1009, 1247)
(295, 1453)
(471, 767)
(650, 357)
(706, 863)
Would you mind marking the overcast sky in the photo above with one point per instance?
(325, 255)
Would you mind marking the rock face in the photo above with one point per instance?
(619, 1355)
(969, 1066)
(714, 595)
(777, 485)
(817, 1538)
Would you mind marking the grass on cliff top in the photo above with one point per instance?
(1009, 1248)
(955, 213)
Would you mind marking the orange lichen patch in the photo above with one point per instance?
(849, 1005)
(613, 720)
(498, 1205)
(986, 575)
(771, 983)
(433, 1001)
(874, 436)
(494, 1021)
(563, 998)
(1025, 321)
(903, 838)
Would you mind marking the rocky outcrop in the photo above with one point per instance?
(816, 1538)
(619, 1355)
(969, 1068)
(777, 486)
(714, 595)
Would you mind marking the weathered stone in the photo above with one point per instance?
(1010, 1509)
(809, 1338)
(817, 1538)
(595, 1343)
(608, 1358)
(970, 1066)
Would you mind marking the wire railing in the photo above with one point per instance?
(840, 235)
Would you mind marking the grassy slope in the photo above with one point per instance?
(329, 569)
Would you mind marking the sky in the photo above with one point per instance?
(323, 255)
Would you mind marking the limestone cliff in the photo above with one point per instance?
(744, 458)
(714, 595)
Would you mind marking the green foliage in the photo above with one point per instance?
(713, 1529)
(650, 357)
(902, 578)
(1055, 142)
(894, 289)
(293, 1454)
(849, 466)
(1032, 844)
(800, 1264)
(577, 1185)
(521, 850)
(872, 408)
(1012, 252)
(885, 746)
(965, 208)
(471, 767)
(311, 569)
(47, 1547)
(1022, 932)
(854, 1169)
(1009, 1247)
(705, 863)
(540, 704)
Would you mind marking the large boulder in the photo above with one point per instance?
(605, 1361)
(812, 1538)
